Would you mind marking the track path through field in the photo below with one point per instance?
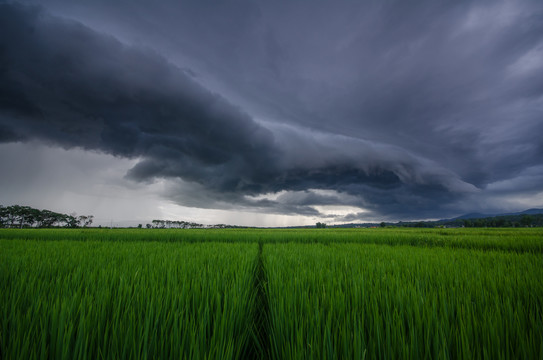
(259, 348)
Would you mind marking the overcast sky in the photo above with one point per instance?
(271, 113)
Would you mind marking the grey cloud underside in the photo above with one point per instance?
(71, 86)
(403, 110)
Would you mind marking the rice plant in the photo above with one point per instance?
(298, 293)
(77, 300)
(346, 301)
(507, 239)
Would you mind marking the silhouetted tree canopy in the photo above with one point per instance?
(17, 216)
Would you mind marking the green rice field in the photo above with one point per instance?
(271, 293)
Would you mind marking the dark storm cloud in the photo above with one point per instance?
(405, 110)
(8, 135)
(66, 84)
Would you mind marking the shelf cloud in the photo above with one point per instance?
(400, 111)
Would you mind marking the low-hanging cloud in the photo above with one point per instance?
(68, 85)
(388, 123)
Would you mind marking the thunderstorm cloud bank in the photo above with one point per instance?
(392, 110)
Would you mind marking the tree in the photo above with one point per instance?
(85, 220)
(70, 220)
(160, 224)
(3, 216)
(383, 224)
(21, 215)
(526, 220)
(321, 225)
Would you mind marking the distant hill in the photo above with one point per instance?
(526, 218)
(532, 212)
(482, 216)
(530, 217)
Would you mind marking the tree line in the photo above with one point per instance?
(173, 224)
(524, 220)
(17, 216)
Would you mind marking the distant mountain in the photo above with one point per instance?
(532, 212)
(471, 216)
(482, 216)
(486, 220)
